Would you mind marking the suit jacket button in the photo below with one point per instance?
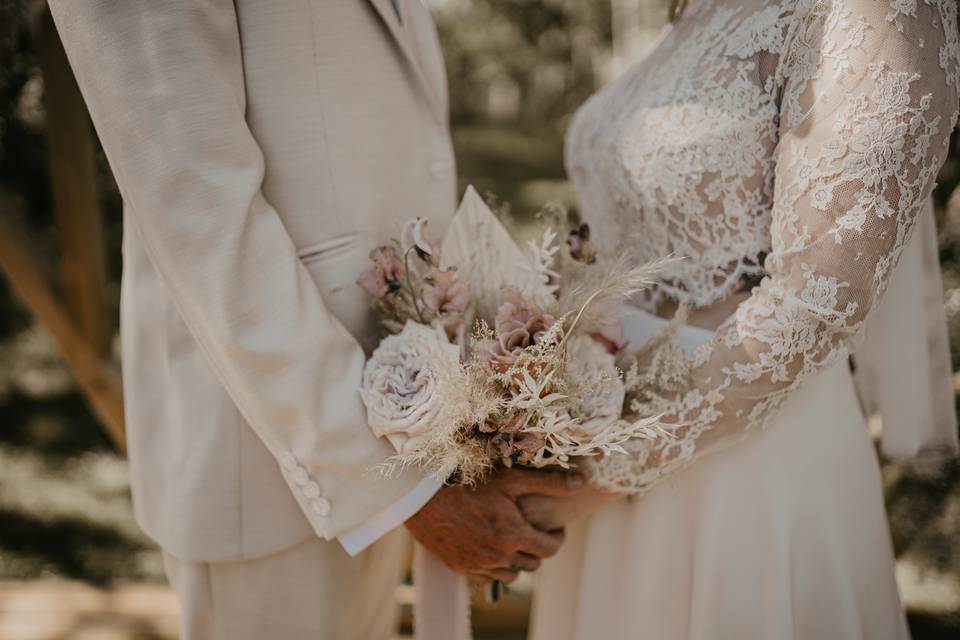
(288, 462)
(320, 506)
(439, 170)
(300, 476)
(311, 490)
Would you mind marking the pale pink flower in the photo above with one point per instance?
(415, 237)
(386, 274)
(518, 324)
(411, 385)
(441, 292)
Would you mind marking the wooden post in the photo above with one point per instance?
(73, 174)
(77, 317)
(97, 377)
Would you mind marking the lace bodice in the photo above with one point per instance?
(797, 140)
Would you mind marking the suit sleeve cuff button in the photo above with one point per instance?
(311, 490)
(300, 476)
(320, 506)
(288, 462)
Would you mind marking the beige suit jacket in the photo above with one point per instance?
(262, 149)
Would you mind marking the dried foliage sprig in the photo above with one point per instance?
(597, 291)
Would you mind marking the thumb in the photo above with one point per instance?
(557, 484)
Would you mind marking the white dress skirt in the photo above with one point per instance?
(782, 535)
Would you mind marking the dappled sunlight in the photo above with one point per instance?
(75, 611)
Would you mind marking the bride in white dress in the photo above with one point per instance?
(788, 149)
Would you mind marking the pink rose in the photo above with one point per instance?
(386, 274)
(518, 324)
(442, 293)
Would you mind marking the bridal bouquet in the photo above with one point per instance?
(498, 355)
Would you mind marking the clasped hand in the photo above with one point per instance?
(507, 525)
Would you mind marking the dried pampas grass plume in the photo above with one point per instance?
(599, 291)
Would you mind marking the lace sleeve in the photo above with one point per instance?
(869, 98)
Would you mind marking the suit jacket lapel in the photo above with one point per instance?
(388, 14)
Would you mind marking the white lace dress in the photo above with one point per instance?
(788, 148)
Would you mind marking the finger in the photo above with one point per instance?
(558, 484)
(486, 576)
(524, 562)
(542, 512)
(541, 544)
(506, 576)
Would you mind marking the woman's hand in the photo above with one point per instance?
(549, 513)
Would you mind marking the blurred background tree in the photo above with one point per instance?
(521, 61)
(518, 70)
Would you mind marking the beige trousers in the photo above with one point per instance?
(312, 590)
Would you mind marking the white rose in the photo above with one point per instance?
(409, 381)
(596, 385)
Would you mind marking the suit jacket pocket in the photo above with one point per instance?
(327, 249)
(335, 265)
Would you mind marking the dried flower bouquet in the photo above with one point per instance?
(501, 356)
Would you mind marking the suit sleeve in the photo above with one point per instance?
(165, 88)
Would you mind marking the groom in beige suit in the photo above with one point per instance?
(263, 148)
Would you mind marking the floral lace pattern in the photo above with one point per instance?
(794, 139)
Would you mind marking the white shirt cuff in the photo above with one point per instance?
(359, 538)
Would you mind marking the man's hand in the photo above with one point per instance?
(548, 513)
(481, 532)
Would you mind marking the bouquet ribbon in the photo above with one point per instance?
(442, 606)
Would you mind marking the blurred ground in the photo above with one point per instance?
(74, 565)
